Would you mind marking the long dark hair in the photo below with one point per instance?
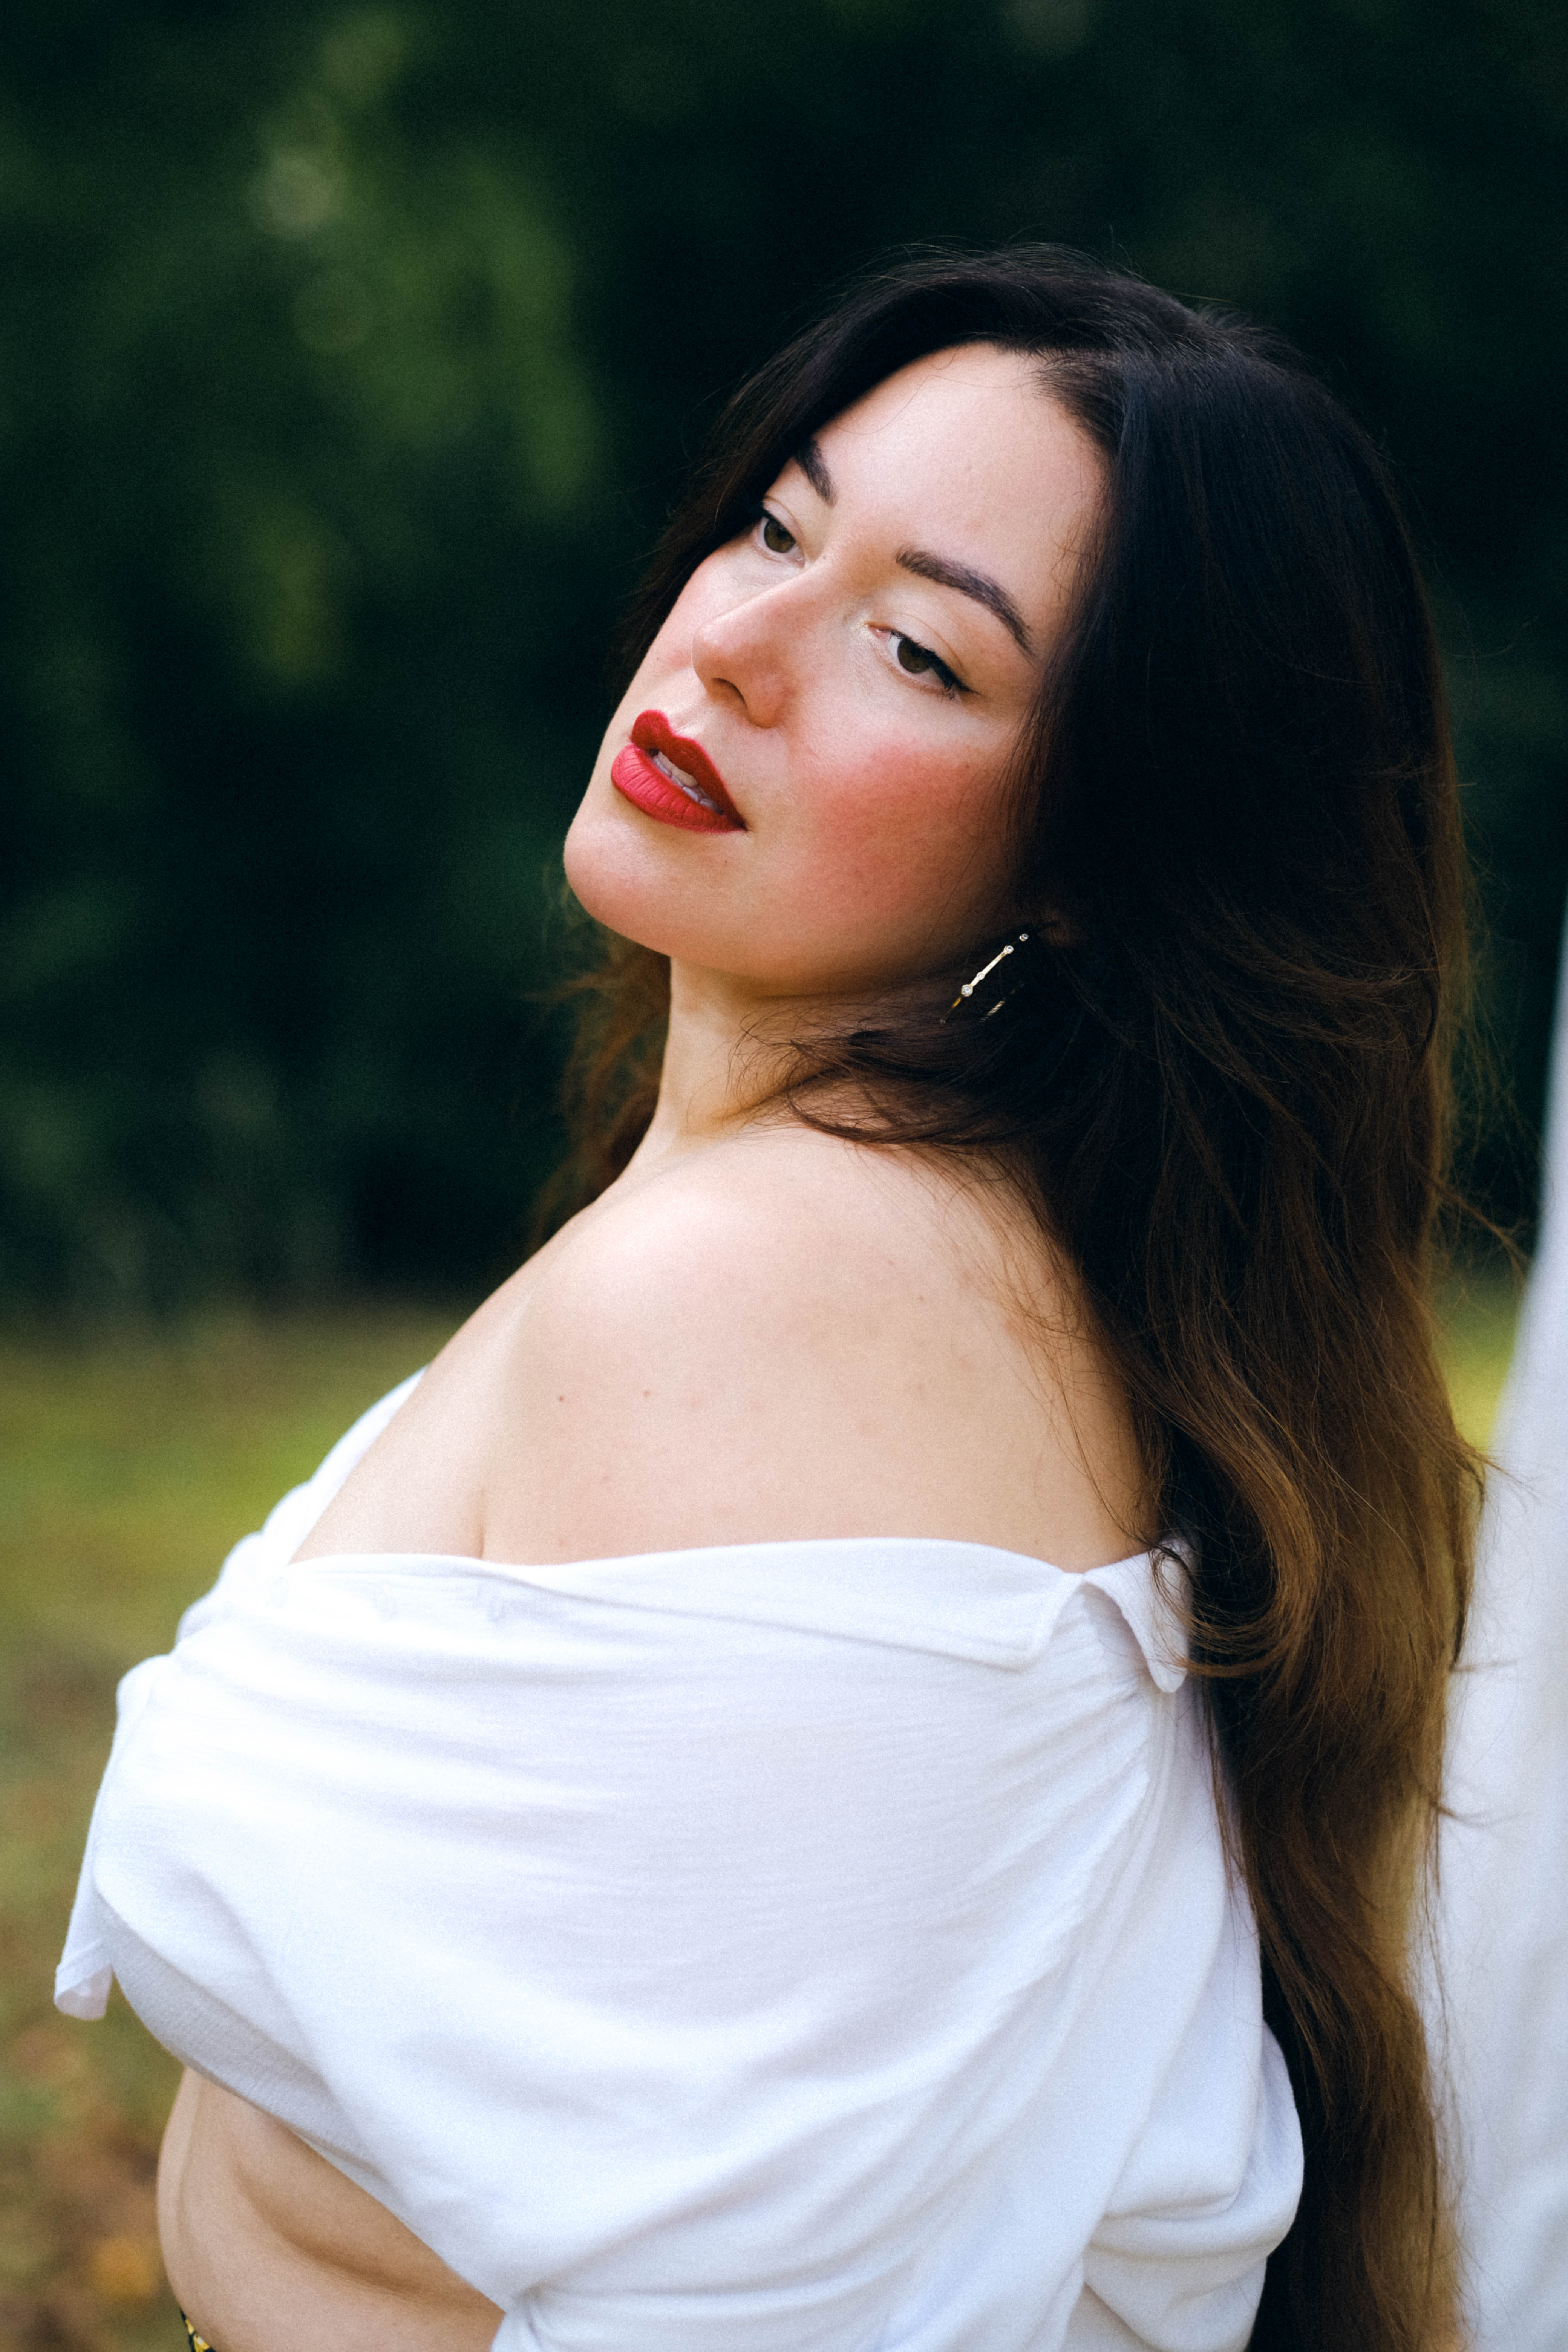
(1223, 1083)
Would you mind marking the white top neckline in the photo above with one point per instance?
(528, 1568)
(1001, 1610)
(976, 1601)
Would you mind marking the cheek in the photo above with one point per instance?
(900, 831)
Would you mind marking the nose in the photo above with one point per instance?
(750, 650)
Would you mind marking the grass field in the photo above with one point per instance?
(128, 1466)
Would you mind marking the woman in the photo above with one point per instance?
(992, 1383)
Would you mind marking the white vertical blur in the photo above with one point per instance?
(1503, 1920)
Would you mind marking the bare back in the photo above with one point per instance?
(779, 1336)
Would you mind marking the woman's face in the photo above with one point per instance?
(846, 681)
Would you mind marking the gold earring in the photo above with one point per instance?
(970, 986)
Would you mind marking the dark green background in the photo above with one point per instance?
(350, 358)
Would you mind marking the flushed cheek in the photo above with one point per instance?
(900, 834)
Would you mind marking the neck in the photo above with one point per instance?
(727, 1048)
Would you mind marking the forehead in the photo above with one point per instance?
(968, 454)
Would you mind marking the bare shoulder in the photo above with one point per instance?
(789, 1335)
(770, 1224)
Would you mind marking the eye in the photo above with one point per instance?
(775, 538)
(920, 662)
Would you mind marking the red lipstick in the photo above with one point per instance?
(692, 796)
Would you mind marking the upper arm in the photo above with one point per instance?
(782, 1348)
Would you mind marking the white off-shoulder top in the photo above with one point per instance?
(818, 1946)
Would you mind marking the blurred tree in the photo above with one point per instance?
(352, 357)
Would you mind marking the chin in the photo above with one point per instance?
(632, 883)
(597, 868)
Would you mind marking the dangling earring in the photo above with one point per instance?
(969, 987)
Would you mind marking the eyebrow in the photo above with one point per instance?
(813, 466)
(979, 585)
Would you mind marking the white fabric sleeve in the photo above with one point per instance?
(83, 1977)
(693, 1981)
(85, 1973)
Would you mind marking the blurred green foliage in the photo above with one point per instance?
(350, 358)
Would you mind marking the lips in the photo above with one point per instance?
(672, 780)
